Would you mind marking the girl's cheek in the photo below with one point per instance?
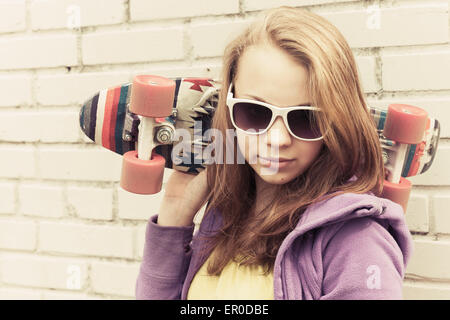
(314, 150)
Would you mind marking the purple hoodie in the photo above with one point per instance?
(352, 246)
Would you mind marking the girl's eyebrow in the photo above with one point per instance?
(262, 100)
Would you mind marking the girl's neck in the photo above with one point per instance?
(264, 194)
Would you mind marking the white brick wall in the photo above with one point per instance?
(68, 231)
(399, 26)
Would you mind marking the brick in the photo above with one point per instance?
(48, 51)
(436, 107)
(114, 278)
(62, 295)
(140, 240)
(138, 206)
(417, 217)
(7, 293)
(33, 126)
(15, 90)
(36, 199)
(17, 234)
(12, 16)
(87, 240)
(17, 162)
(426, 291)
(91, 203)
(438, 174)
(64, 163)
(43, 272)
(19, 294)
(52, 89)
(220, 33)
(430, 259)
(416, 71)
(441, 203)
(72, 14)
(367, 73)
(253, 5)
(155, 10)
(7, 205)
(64, 123)
(133, 46)
(396, 27)
(19, 125)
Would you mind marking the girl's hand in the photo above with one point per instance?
(185, 194)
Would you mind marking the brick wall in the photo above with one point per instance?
(67, 231)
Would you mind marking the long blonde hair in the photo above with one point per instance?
(351, 146)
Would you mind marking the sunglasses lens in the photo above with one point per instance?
(250, 116)
(303, 123)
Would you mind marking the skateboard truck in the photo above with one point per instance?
(130, 128)
(151, 101)
(130, 132)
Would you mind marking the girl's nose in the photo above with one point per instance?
(278, 135)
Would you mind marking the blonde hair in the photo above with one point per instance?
(351, 146)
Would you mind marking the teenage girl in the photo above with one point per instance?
(302, 217)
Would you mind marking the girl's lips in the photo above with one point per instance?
(275, 164)
(276, 159)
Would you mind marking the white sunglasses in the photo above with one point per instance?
(251, 115)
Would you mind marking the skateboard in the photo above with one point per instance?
(139, 120)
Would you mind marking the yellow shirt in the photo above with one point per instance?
(236, 282)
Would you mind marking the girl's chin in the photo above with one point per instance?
(271, 174)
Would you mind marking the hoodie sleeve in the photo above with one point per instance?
(166, 257)
(362, 261)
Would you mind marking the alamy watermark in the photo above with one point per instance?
(374, 278)
(73, 281)
(373, 21)
(208, 152)
(73, 17)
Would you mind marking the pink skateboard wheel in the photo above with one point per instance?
(142, 176)
(397, 192)
(152, 96)
(405, 123)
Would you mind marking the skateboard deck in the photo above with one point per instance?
(106, 120)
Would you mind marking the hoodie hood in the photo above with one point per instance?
(350, 206)
(338, 210)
